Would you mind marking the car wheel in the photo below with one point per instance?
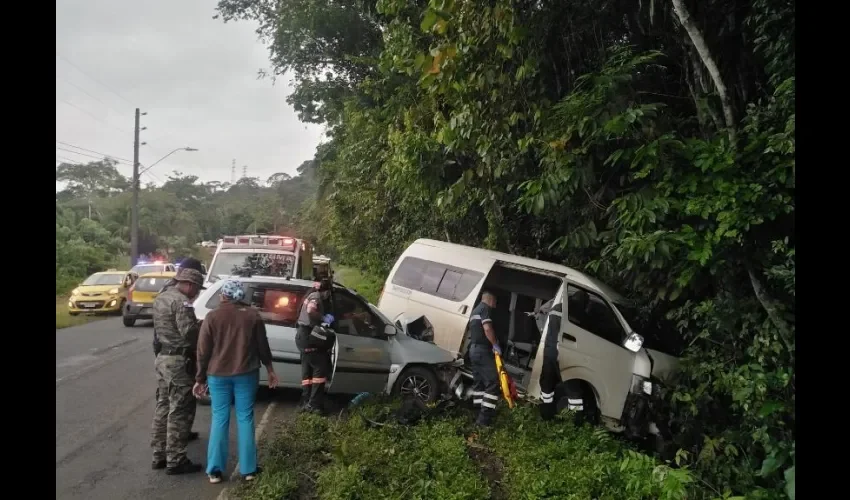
(418, 382)
(129, 321)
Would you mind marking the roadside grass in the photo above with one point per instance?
(446, 457)
(64, 320)
(366, 285)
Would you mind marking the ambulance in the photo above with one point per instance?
(262, 255)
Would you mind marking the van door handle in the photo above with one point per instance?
(567, 336)
(463, 309)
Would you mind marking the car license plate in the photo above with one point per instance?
(88, 304)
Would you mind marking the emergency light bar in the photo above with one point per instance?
(290, 244)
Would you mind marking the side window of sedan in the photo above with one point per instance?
(353, 316)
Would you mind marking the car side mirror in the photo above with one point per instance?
(390, 330)
(633, 342)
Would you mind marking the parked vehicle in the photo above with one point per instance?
(597, 346)
(157, 266)
(101, 293)
(263, 255)
(141, 295)
(371, 354)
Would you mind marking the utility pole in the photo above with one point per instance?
(134, 216)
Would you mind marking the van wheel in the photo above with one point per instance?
(128, 322)
(418, 382)
(578, 390)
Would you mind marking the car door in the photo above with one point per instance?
(591, 347)
(362, 354)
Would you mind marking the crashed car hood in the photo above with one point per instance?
(409, 350)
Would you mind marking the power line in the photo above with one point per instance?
(60, 56)
(91, 115)
(103, 157)
(86, 93)
(92, 151)
(66, 160)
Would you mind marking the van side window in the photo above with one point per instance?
(590, 312)
(441, 280)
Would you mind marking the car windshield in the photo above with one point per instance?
(150, 284)
(103, 279)
(148, 268)
(260, 264)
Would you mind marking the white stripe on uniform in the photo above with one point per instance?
(488, 405)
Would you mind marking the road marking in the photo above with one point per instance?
(257, 433)
(97, 365)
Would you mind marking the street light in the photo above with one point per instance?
(166, 156)
(134, 221)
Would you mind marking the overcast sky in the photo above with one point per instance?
(195, 76)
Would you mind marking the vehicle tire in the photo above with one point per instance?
(128, 322)
(73, 313)
(572, 388)
(120, 309)
(419, 382)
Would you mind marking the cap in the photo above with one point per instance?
(190, 275)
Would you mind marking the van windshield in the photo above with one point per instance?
(260, 264)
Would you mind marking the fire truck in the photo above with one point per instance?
(262, 255)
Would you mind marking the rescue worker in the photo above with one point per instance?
(550, 374)
(177, 330)
(190, 263)
(483, 346)
(315, 363)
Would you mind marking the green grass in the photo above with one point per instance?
(366, 285)
(446, 456)
(64, 320)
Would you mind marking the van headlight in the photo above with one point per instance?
(633, 342)
(641, 385)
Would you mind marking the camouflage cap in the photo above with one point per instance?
(190, 275)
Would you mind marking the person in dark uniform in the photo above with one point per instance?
(483, 345)
(316, 363)
(190, 263)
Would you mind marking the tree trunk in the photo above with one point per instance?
(697, 39)
(772, 310)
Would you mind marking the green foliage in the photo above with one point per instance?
(93, 215)
(589, 136)
(367, 285)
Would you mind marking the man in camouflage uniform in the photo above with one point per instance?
(189, 263)
(177, 331)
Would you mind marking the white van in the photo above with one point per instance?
(265, 255)
(599, 352)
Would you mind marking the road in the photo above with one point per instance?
(105, 388)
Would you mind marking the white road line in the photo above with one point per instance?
(257, 433)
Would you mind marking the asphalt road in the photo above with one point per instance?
(105, 387)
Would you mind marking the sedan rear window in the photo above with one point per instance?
(150, 284)
(278, 304)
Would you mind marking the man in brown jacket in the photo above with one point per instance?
(231, 345)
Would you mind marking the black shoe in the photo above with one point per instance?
(158, 464)
(193, 436)
(184, 467)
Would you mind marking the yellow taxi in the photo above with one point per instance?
(141, 295)
(101, 293)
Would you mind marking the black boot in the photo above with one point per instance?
(184, 467)
(317, 399)
(305, 396)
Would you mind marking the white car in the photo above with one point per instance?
(371, 354)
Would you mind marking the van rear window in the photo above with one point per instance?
(441, 280)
